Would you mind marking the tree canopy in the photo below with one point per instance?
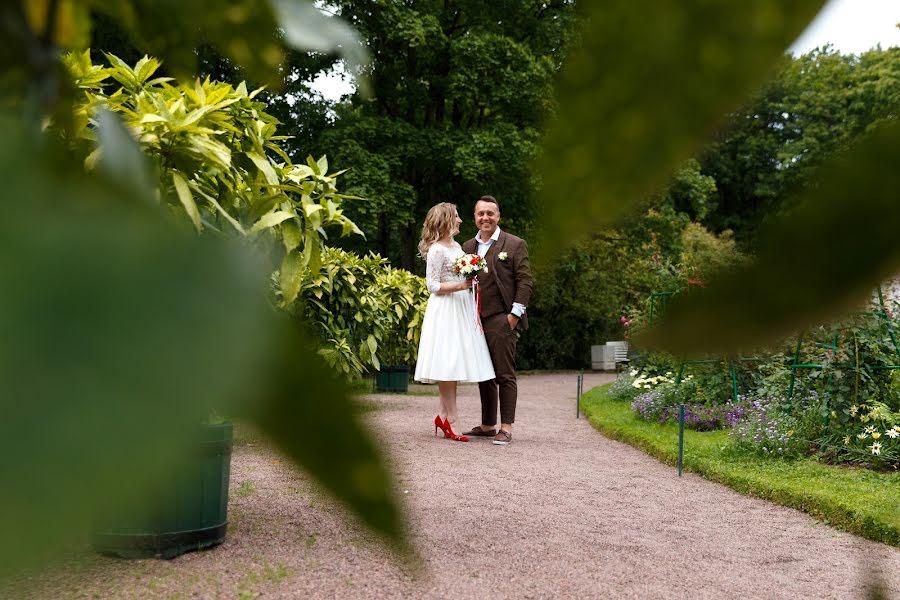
(815, 107)
(460, 91)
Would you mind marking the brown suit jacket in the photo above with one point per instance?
(513, 275)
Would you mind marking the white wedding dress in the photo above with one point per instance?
(452, 345)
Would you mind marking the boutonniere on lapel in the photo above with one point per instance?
(503, 256)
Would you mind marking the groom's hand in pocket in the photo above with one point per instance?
(513, 320)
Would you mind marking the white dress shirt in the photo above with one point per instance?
(518, 308)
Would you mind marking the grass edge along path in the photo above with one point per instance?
(859, 501)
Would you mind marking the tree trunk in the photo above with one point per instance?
(383, 235)
(408, 240)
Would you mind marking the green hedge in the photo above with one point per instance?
(860, 501)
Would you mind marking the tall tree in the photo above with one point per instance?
(460, 92)
(815, 107)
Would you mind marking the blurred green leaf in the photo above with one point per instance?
(642, 93)
(824, 258)
(118, 337)
(308, 414)
(121, 157)
(242, 30)
(71, 21)
(307, 28)
(252, 33)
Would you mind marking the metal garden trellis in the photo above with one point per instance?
(833, 346)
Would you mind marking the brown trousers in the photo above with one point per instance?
(501, 342)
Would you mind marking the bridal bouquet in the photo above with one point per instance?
(469, 265)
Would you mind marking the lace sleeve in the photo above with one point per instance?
(433, 267)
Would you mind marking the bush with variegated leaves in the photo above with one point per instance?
(215, 151)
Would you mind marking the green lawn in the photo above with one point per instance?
(856, 500)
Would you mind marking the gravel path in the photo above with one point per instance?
(560, 513)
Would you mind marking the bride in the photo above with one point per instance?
(452, 347)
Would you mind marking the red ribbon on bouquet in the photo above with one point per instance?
(477, 291)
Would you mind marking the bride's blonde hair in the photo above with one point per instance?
(438, 223)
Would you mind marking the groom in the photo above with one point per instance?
(505, 290)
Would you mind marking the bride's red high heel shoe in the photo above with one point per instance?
(448, 433)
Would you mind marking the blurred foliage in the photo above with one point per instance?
(250, 33)
(119, 337)
(460, 92)
(123, 328)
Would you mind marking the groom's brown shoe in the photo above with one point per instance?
(477, 431)
(502, 438)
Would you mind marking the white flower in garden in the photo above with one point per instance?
(893, 432)
(869, 429)
(861, 436)
(875, 448)
(846, 440)
(853, 410)
(633, 372)
(875, 435)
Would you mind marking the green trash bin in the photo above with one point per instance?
(187, 511)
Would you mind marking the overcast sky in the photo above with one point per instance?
(851, 26)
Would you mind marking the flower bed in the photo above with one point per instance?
(834, 394)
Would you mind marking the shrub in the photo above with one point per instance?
(363, 312)
(403, 297)
(215, 153)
